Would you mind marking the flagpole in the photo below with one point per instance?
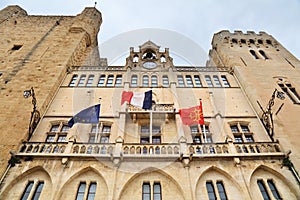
(150, 128)
(204, 131)
(97, 126)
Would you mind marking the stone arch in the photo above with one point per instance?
(232, 188)
(88, 174)
(15, 188)
(285, 187)
(132, 189)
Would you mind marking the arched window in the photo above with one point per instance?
(135, 58)
(197, 81)
(217, 81)
(163, 59)
(154, 81)
(189, 81)
(110, 81)
(90, 80)
(73, 81)
(180, 81)
(118, 80)
(263, 54)
(134, 80)
(254, 54)
(81, 80)
(165, 80)
(145, 81)
(101, 81)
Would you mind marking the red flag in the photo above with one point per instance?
(126, 96)
(193, 115)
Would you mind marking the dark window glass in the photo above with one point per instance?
(238, 138)
(92, 191)
(225, 81)
(50, 138)
(197, 81)
(27, 191)
(208, 81)
(210, 191)
(134, 81)
(274, 190)
(189, 81)
(154, 81)
(73, 81)
(165, 81)
(110, 80)
(54, 128)
(38, 191)
(61, 138)
(217, 81)
(234, 129)
(156, 191)
(254, 54)
(263, 190)
(145, 81)
(90, 80)
(221, 190)
(249, 138)
(81, 80)
(101, 81)
(80, 191)
(118, 80)
(146, 191)
(180, 81)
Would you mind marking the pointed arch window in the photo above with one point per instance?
(263, 54)
(27, 190)
(92, 191)
(253, 53)
(38, 191)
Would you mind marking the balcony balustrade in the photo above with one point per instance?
(73, 149)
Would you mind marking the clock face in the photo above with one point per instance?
(149, 65)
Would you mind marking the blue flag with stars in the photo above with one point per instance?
(89, 115)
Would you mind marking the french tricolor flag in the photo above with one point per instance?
(138, 99)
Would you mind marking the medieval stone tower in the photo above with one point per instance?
(241, 143)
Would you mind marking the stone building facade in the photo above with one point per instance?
(240, 152)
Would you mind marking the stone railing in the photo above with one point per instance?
(151, 149)
(62, 149)
(236, 149)
(154, 150)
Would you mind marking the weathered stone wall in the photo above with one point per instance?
(259, 77)
(36, 51)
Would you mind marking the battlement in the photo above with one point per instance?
(248, 39)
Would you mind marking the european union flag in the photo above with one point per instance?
(89, 115)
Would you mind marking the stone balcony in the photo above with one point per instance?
(155, 151)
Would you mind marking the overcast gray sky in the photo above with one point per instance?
(197, 20)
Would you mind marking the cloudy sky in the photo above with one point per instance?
(197, 20)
